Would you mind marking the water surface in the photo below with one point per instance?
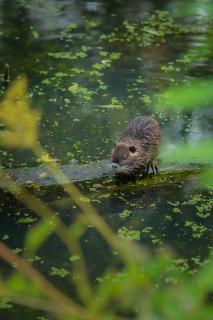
(88, 87)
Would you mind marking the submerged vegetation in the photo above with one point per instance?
(100, 250)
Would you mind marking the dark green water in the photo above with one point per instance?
(116, 80)
(34, 40)
(177, 216)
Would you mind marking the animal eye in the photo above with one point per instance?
(132, 149)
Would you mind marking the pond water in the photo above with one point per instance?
(62, 44)
(91, 68)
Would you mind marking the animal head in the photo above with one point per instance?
(126, 158)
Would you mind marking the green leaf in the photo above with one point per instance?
(18, 283)
(37, 235)
(196, 94)
(199, 152)
(20, 120)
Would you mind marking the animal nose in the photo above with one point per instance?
(115, 165)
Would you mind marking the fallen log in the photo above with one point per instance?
(42, 177)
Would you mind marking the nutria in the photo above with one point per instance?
(137, 147)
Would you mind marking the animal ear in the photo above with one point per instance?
(132, 149)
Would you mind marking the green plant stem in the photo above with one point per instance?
(63, 232)
(62, 301)
(30, 302)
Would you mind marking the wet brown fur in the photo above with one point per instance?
(137, 147)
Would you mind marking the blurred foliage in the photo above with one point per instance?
(20, 121)
(197, 94)
(195, 152)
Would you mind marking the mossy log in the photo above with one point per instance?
(42, 177)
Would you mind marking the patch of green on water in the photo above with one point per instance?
(198, 230)
(17, 250)
(129, 234)
(5, 237)
(125, 214)
(5, 304)
(153, 29)
(203, 205)
(80, 54)
(59, 272)
(115, 104)
(36, 258)
(80, 91)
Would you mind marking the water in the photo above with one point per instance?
(81, 128)
(84, 127)
(177, 217)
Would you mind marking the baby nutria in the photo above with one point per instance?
(137, 147)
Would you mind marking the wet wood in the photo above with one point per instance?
(41, 176)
